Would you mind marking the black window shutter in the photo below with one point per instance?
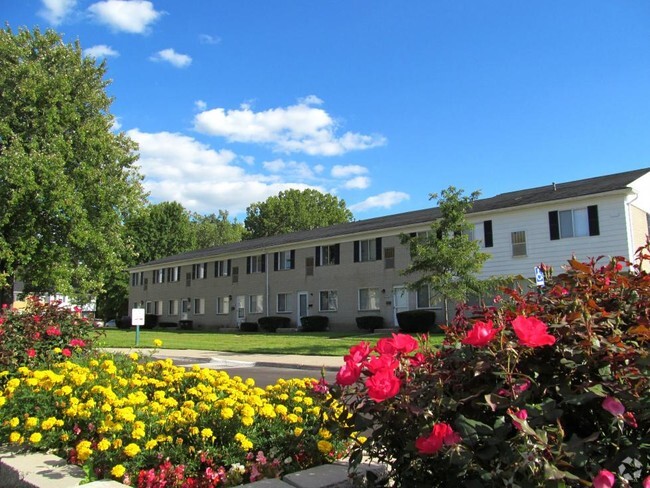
(356, 251)
(248, 265)
(293, 259)
(594, 227)
(337, 253)
(229, 267)
(378, 248)
(487, 233)
(317, 255)
(554, 225)
(263, 259)
(275, 261)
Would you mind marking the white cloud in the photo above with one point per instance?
(180, 168)
(132, 16)
(100, 51)
(357, 183)
(291, 169)
(200, 105)
(172, 57)
(383, 200)
(208, 39)
(339, 171)
(54, 11)
(296, 128)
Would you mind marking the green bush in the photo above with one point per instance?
(248, 327)
(412, 321)
(272, 323)
(370, 322)
(313, 323)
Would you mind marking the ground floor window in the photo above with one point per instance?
(329, 301)
(255, 303)
(172, 307)
(369, 299)
(284, 302)
(223, 305)
(199, 306)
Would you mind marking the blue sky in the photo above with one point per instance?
(378, 102)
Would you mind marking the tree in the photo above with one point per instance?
(67, 179)
(446, 258)
(293, 210)
(215, 230)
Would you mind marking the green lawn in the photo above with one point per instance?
(308, 344)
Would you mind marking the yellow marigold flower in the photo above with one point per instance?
(31, 382)
(293, 418)
(281, 409)
(297, 410)
(297, 431)
(157, 342)
(324, 446)
(117, 443)
(84, 451)
(118, 470)
(24, 370)
(250, 382)
(106, 407)
(13, 383)
(325, 434)
(14, 422)
(103, 445)
(151, 444)
(247, 421)
(14, 437)
(134, 356)
(64, 437)
(48, 423)
(206, 433)
(57, 350)
(247, 410)
(132, 450)
(31, 422)
(227, 413)
(3, 400)
(308, 401)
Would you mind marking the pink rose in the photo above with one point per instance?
(604, 479)
(404, 343)
(77, 343)
(521, 415)
(359, 352)
(383, 385)
(481, 334)
(613, 406)
(348, 374)
(532, 332)
(646, 482)
(441, 434)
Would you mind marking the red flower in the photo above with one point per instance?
(613, 406)
(441, 434)
(77, 343)
(646, 482)
(358, 353)
(604, 479)
(521, 415)
(383, 385)
(385, 346)
(382, 362)
(53, 330)
(348, 374)
(532, 332)
(417, 360)
(66, 352)
(31, 353)
(481, 334)
(404, 343)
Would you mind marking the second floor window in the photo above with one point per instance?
(199, 271)
(222, 268)
(367, 250)
(577, 222)
(255, 264)
(328, 255)
(284, 260)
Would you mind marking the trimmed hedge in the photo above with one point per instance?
(273, 323)
(248, 327)
(123, 322)
(417, 321)
(370, 322)
(314, 323)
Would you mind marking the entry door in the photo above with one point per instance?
(303, 304)
(241, 309)
(185, 308)
(400, 301)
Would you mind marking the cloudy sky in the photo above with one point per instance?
(379, 102)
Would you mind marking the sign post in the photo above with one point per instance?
(137, 319)
(539, 276)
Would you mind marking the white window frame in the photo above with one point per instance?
(573, 223)
(255, 303)
(419, 297)
(221, 268)
(367, 250)
(326, 255)
(172, 308)
(331, 298)
(148, 307)
(222, 305)
(371, 300)
(284, 260)
(518, 241)
(198, 306)
(287, 308)
(256, 263)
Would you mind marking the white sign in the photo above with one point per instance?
(539, 276)
(137, 316)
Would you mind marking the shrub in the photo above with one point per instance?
(271, 324)
(150, 321)
(412, 321)
(370, 322)
(248, 327)
(123, 322)
(546, 388)
(313, 323)
(43, 333)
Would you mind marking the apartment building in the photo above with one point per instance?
(354, 269)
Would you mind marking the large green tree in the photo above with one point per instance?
(294, 210)
(215, 230)
(446, 258)
(67, 180)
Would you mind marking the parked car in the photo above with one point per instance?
(98, 322)
(111, 323)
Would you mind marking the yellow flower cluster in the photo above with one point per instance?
(118, 412)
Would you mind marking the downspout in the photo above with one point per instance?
(266, 284)
(630, 230)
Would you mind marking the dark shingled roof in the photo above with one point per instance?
(542, 194)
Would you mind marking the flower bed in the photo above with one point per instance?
(549, 387)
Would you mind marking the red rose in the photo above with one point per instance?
(348, 374)
(385, 346)
(31, 353)
(383, 385)
(53, 330)
(481, 334)
(404, 343)
(378, 363)
(532, 332)
(77, 343)
(521, 415)
(604, 479)
(613, 406)
(359, 352)
(66, 352)
(441, 434)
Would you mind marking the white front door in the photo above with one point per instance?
(303, 305)
(400, 301)
(241, 309)
(185, 308)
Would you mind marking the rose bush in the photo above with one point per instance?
(547, 387)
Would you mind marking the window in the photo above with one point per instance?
(255, 303)
(222, 268)
(172, 307)
(487, 234)
(160, 278)
(134, 279)
(255, 264)
(223, 305)
(309, 266)
(188, 279)
(328, 255)
(368, 250)
(369, 299)
(159, 308)
(145, 284)
(235, 274)
(389, 257)
(148, 308)
(579, 222)
(284, 302)
(199, 271)
(174, 274)
(199, 306)
(329, 301)
(423, 297)
(284, 260)
(518, 239)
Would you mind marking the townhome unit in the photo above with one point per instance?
(355, 269)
